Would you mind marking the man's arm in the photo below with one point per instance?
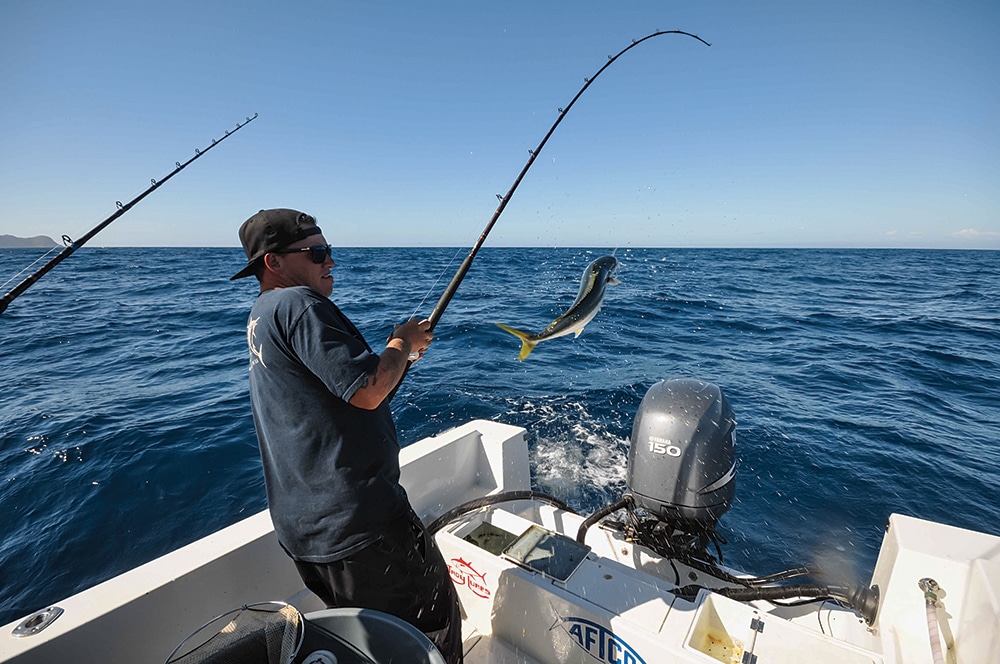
(411, 336)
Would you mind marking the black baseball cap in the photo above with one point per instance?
(272, 230)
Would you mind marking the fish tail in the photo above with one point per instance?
(527, 343)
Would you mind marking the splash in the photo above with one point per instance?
(575, 456)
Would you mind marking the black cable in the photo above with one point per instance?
(581, 534)
(793, 573)
(744, 594)
(863, 600)
(486, 501)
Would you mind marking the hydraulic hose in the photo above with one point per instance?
(863, 600)
(486, 501)
(930, 588)
(581, 534)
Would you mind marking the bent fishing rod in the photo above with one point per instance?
(72, 246)
(463, 269)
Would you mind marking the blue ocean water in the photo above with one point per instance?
(865, 382)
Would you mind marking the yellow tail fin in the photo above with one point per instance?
(527, 345)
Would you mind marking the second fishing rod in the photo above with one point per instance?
(72, 246)
(463, 269)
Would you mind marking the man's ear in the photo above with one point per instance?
(272, 262)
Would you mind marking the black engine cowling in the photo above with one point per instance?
(681, 463)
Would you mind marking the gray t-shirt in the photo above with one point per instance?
(331, 469)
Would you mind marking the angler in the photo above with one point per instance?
(588, 302)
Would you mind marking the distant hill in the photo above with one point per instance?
(37, 242)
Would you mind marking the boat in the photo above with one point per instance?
(637, 582)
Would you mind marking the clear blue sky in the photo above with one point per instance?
(851, 123)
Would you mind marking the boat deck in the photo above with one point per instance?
(541, 597)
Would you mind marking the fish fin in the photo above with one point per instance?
(520, 334)
(612, 280)
(527, 343)
(578, 333)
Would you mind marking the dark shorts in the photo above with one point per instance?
(402, 574)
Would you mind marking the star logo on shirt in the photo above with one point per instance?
(256, 352)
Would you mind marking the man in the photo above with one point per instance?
(319, 396)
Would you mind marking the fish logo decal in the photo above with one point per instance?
(595, 279)
(256, 352)
(599, 641)
(464, 574)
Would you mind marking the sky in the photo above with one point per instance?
(804, 124)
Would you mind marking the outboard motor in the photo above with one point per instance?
(681, 465)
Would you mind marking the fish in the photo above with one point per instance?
(596, 277)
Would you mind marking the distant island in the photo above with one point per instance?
(37, 242)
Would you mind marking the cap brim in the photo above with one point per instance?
(245, 272)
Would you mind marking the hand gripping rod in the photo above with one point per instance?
(122, 209)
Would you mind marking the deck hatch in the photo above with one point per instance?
(490, 538)
(549, 553)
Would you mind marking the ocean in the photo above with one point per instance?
(864, 382)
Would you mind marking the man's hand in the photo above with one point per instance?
(416, 336)
(406, 341)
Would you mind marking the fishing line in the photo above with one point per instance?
(72, 246)
(430, 290)
(28, 267)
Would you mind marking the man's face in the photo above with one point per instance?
(298, 268)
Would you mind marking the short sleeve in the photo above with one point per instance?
(329, 346)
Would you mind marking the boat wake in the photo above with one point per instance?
(575, 456)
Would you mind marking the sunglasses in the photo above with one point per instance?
(318, 254)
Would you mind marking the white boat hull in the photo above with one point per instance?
(611, 605)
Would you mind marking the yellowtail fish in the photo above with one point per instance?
(588, 302)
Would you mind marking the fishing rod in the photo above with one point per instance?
(463, 269)
(72, 246)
